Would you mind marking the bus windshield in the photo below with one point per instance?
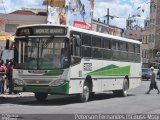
(41, 53)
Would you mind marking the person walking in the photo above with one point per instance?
(2, 73)
(158, 73)
(153, 83)
(9, 76)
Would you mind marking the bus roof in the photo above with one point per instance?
(86, 31)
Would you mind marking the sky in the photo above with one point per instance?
(119, 8)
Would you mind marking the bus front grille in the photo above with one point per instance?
(37, 81)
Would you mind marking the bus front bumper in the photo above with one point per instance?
(62, 89)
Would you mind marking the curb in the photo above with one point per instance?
(16, 95)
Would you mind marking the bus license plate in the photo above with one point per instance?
(18, 88)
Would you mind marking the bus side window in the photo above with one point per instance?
(75, 46)
(75, 50)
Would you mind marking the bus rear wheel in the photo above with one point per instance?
(84, 96)
(124, 91)
(41, 96)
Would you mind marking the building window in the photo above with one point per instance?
(149, 39)
(152, 39)
(152, 7)
(11, 27)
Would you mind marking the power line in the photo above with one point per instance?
(4, 10)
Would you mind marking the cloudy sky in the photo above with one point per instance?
(122, 9)
(119, 8)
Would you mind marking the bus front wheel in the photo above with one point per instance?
(84, 96)
(41, 96)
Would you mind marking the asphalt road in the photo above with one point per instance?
(26, 107)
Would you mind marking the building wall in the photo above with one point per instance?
(134, 33)
(15, 20)
(107, 29)
(154, 41)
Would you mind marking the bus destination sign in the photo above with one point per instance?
(49, 31)
(35, 31)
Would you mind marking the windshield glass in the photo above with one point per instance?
(41, 53)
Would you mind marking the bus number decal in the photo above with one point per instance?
(87, 67)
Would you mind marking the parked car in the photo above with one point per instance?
(146, 73)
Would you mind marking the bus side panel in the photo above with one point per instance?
(96, 79)
(135, 77)
(97, 85)
(76, 80)
(79, 73)
(112, 79)
(76, 86)
(115, 73)
(134, 82)
(112, 84)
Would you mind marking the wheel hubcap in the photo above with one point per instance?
(85, 93)
(125, 87)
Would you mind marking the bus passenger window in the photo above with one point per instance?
(75, 47)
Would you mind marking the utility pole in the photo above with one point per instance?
(92, 9)
(107, 16)
(47, 12)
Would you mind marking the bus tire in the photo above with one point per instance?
(124, 91)
(84, 96)
(91, 95)
(41, 96)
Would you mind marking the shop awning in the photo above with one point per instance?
(6, 37)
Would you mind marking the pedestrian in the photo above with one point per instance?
(9, 76)
(153, 83)
(2, 74)
(158, 73)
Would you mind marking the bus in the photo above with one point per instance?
(60, 59)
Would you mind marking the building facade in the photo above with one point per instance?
(154, 37)
(11, 21)
(18, 18)
(103, 27)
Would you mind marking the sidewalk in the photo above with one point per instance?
(21, 94)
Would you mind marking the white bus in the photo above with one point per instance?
(56, 59)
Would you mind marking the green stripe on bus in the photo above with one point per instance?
(54, 73)
(105, 68)
(118, 71)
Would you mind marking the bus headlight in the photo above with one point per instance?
(19, 82)
(57, 82)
